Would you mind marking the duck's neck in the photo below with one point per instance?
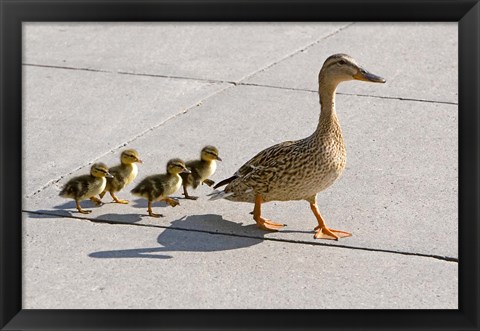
(328, 122)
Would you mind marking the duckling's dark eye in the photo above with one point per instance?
(342, 62)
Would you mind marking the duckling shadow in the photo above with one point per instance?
(143, 203)
(196, 233)
(119, 218)
(43, 213)
(87, 204)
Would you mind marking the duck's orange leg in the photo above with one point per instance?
(322, 231)
(264, 223)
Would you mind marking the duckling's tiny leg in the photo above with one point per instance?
(185, 193)
(264, 223)
(117, 200)
(83, 211)
(102, 194)
(322, 231)
(150, 212)
(96, 201)
(171, 202)
(209, 182)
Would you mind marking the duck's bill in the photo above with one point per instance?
(186, 171)
(139, 161)
(108, 175)
(368, 77)
(219, 158)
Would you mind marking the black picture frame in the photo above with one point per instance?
(14, 12)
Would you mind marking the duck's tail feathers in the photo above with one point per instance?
(225, 181)
(217, 195)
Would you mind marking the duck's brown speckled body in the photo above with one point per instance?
(298, 170)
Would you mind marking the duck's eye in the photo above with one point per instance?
(342, 62)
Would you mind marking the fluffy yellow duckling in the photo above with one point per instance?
(200, 170)
(123, 174)
(87, 186)
(159, 187)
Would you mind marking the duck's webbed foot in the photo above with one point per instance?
(268, 225)
(321, 230)
(326, 233)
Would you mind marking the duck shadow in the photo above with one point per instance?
(193, 234)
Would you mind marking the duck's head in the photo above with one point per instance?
(209, 153)
(176, 166)
(100, 170)
(130, 156)
(342, 67)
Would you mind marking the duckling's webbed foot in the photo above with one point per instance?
(96, 201)
(188, 196)
(171, 202)
(150, 211)
(209, 182)
(117, 200)
(263, 223)
(79, 208)
(321, 230)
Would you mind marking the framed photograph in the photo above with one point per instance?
(239, 165)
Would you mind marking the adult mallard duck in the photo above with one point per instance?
(298, 170)
(123, 174)
(87, 186)
(200, 170)
(159, 187)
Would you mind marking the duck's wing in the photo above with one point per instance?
(266, 158)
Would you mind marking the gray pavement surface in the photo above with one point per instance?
(167, 89)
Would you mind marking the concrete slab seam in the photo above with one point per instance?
(218, 81)
(302, 242)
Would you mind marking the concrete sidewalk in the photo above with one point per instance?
(167, 89)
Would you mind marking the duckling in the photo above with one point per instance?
(87, 186)
(200, 170)
(159, 187)
(298, 170)
(123, 174)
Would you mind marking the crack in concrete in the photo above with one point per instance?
(379, 250)
(125, 143)
(331, 34)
